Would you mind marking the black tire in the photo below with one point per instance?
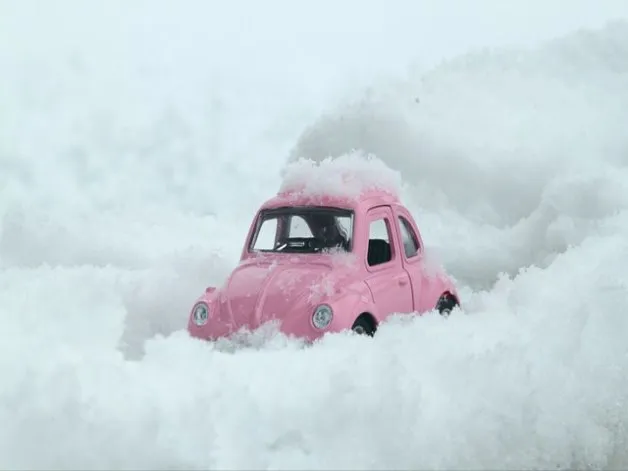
(363, 326)
(446, 303)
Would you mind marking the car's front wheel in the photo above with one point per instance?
(363, 325)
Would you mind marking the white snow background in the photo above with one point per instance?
(136, 140)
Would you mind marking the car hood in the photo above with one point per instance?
(258, 292)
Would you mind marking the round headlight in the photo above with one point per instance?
(322, 316)
(200, 314)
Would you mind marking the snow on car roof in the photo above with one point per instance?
(350, 177)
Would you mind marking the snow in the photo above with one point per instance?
(136, 143)
(345, 176)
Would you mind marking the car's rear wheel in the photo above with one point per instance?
(446, 303)
(364, 325)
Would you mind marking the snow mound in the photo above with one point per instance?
(508, 157)
(347, 176)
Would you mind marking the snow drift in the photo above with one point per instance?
(118, 208)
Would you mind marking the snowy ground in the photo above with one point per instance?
(137, 138)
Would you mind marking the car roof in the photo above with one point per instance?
(361, 201)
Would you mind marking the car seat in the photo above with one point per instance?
(378, 252)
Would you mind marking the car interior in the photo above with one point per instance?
(378, 252)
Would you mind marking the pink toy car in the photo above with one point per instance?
(325, 263)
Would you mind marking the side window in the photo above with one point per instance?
(379, 250)
(408, 238)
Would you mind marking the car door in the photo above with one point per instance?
(412, 253)
(386, 277)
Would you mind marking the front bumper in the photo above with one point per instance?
(299, 327)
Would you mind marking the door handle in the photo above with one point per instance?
(402, 281)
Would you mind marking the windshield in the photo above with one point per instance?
(303, 230)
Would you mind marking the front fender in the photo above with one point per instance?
(209, 297)
(349, 304)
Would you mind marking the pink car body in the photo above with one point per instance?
(312, 290)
